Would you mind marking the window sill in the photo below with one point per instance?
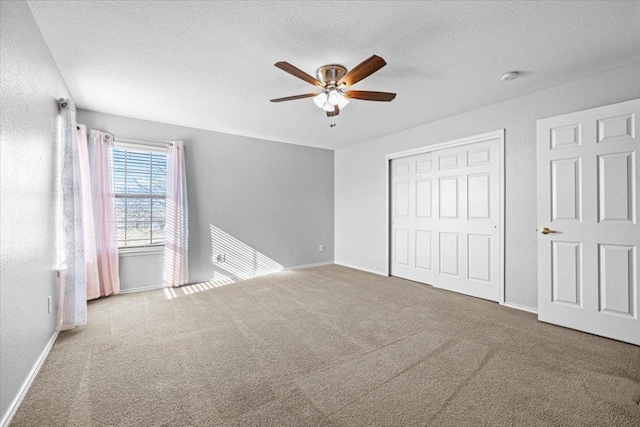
(148, 250)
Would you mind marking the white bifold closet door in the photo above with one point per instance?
(588, 201)
(445, 228)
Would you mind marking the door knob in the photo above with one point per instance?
(547, 230)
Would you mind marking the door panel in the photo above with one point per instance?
(402, 246)
(616, 128)
(617, 284)
(567, 272)
(616, 184)
(449, 197)
(479, 257)
(452, 215)
(565, 136)
(481, 156)
(423, 249)
(587, 194)
(449, 161)
(479, 196)
(449, 254)
(423, 198)
(423, 166)
(402, 199)
(402, 168)
(565, 189)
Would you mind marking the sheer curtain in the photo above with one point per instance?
(176, 231)
(104, 215)
(72, 292)
(90, 258)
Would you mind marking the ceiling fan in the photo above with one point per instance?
(333, 80)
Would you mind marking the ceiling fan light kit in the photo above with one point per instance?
(333, 80)
(320, 99)
(334, 96)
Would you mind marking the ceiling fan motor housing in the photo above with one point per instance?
(331, 73)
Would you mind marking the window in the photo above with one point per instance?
(139, 177)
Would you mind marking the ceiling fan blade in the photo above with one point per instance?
(335, 112)
(291, 98)
(362, 70)
(294, 71)
(367, 95)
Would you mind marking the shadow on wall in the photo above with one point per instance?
(241, 262)
(240, 259)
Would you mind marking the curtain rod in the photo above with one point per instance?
(144, 142)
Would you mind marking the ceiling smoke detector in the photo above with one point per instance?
(511, 75)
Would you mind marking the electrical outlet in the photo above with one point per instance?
(321, 248)
(49, 304)
(221, 258)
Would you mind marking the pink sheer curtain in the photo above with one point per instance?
(72, 291)
(104, 216)
(90, 258)
(176, 231)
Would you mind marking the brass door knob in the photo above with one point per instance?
(547, 230)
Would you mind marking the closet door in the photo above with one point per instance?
(412, 211)
(445, 218)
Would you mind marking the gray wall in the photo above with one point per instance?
(28, 158)
(360, 173)
(275, 198)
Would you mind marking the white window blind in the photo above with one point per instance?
(139, 177)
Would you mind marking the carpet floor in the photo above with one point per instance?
(328, 346)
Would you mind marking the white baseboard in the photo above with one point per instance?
(13, 408)
(317, 264)
(379, 273)
(520, 307)
(147, 288)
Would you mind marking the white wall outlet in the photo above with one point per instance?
(321, 248)
(221, 258)
(49, 304)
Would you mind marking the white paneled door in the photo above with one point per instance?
(445, 218)
(587, 215)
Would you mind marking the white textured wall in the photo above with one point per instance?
(276, 198)
(30, 85)
(360, 173)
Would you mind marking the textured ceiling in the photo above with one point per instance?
(209, 65)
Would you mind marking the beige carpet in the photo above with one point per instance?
(328, 346)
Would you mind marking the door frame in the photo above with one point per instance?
(498, 134)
